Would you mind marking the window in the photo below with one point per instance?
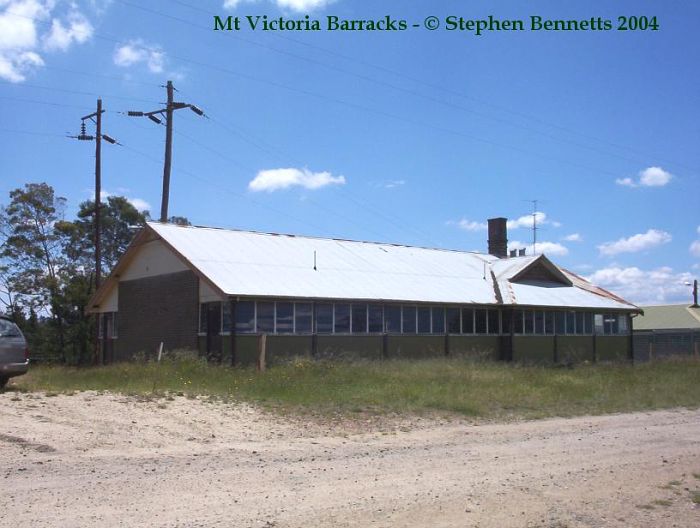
(453, 321)
(506, 321)
(610, 323)
(302, 318)
(539, 322)
(549, 323)
(341, 323)
(518, 318)
(480, 321)
(107, 326)
(226, 316)
(284, 318)
(392, 318)
(359, 318)
(529, 322)
(409, 319)
(114, 325)
(493, 318)
(376, 318)
(622, 326)
(598, 323)
(467, 321)
(266, 317)
(245, 317)
(570, 322)
(324, 318)
(423, 320)
(588, 323)
(560, 322)
(438, 320)
(579, 323)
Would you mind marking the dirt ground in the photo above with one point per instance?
(108, 460)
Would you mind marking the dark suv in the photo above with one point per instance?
(14, 353)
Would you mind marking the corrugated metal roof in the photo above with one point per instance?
(668, 317)
(247, 263)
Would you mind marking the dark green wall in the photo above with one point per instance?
(533, 349)
(575, 349)
(475, 347)
(349, 347)
(612, 348)
(415, 347)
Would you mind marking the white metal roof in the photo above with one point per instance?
(243, 263)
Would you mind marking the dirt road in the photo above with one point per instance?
(108, 460)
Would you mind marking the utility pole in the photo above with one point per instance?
(168, 113)
(96, 117)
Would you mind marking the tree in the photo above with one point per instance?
(31, 252)
(118, 222)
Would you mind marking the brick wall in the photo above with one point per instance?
(154, 309)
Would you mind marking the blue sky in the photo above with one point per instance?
(413, 137)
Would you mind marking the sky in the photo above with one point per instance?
(414, 137)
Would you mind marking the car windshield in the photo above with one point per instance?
(8, 329)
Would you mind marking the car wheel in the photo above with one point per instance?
(3, 381)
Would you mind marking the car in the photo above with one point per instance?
(14, 352)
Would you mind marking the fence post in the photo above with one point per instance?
(262, 345)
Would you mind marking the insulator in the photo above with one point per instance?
(82, 129)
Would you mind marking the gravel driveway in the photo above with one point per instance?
(109, 460)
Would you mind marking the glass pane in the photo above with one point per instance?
(226, 316)
(579, 323)
(423, 320)
(588, 323)
(539, 322)
(324, 318)
(376, 318)
(392, 318)
(621, 322)
(302, 318)
(409, 319)
(529, 322)
(266, 317)
(467, 321)
(438, 320)
(245, 317)
(359, 318)
(114, 325)
(518, 327)
(560, 318)
(453, 321)
(342, 319)
(494, 327)
(480, 321)
(285, 318)
(549, 323)
(598, 323)
(506, 321)
(570, 322)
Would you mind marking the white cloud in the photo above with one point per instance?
(649, 177)
(639, 242)
(469, 225)
(573, 237)
(394, 183)
(695, 248)
(527, 221)
(276, 179)
(294, 5)
(661, 285)
(21, 39)
(548, 248)
(137, 52)
(61, 36)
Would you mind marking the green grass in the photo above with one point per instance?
(486, 390)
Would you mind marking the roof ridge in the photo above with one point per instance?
(312, 237)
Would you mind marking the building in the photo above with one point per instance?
(667, 330)
(217, 290)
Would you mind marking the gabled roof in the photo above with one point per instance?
(251, 264)
(668, 317)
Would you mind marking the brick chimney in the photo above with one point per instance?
(498, 237)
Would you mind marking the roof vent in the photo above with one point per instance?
(521, 252)
(513, 253)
